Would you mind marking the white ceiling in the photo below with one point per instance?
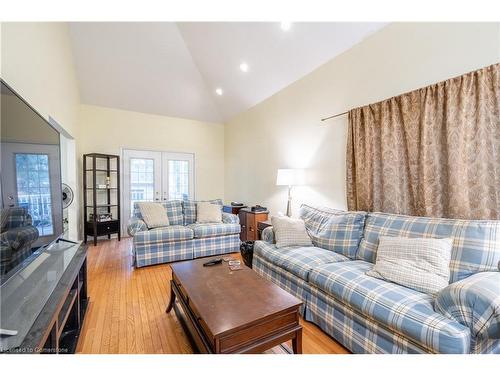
(173, 69)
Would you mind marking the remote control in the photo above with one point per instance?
(213, 262)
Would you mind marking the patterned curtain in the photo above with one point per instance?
(430, 152)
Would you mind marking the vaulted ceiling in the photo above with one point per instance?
(174, 69)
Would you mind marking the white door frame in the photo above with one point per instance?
(127, 155)
(161, 175)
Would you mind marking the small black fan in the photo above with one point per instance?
(67, 195)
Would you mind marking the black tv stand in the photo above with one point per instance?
(57, 327)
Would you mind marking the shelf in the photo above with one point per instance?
(66, 309)
(102, 222)
(101, 170)
(101, 194)
(102, 206)
(113, 188)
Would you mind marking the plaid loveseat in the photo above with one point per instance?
(183, 239)
(369, 315)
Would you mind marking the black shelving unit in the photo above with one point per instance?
(101, 194)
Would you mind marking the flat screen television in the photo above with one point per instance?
(30, 174)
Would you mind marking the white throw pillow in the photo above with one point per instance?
(290, 232)
(207, 212)
(153, 214)
(422, 264)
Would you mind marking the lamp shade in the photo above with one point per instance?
(290, 177)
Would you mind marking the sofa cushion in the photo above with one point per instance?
(214, 229)
(290, 232)
(335, 230)
(401, 309)
(421, 264)
(189, 209)
(153, 214)
(476, 243)
(164, 234)
(207, 212)
(173, 208)
(297, 260)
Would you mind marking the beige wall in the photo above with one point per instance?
(37, 61)
(109, 130)
(285, 131)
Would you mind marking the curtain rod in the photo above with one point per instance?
(333, 116)
(475, 71)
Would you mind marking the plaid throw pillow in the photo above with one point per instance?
(335, 230)
(208, 213)
(153, 214)
(189, 209)
(422, 264)
(290, 232)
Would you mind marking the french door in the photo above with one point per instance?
(155, 176)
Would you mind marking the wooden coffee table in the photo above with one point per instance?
(233, 311)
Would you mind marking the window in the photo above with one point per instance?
(178, 179)
(141, 181)
(33, 190)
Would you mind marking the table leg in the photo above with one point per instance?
(297, 342)
(172, 298)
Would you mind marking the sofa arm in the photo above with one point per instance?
(268, 235)
(475, 303)
(228, 218)
(21, 236)
(136, 225)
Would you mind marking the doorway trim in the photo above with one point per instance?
(124, 175)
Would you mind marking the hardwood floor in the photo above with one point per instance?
(126, 313)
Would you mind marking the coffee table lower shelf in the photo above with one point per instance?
(265, 341)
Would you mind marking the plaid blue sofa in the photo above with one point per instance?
(16, 238)
(369, 315)
(183, 239)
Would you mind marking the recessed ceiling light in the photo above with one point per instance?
(244, 67)
(219, 91)
(285, 26)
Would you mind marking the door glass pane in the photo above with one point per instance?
(178, 179)
(33, 190)
(142, 181)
